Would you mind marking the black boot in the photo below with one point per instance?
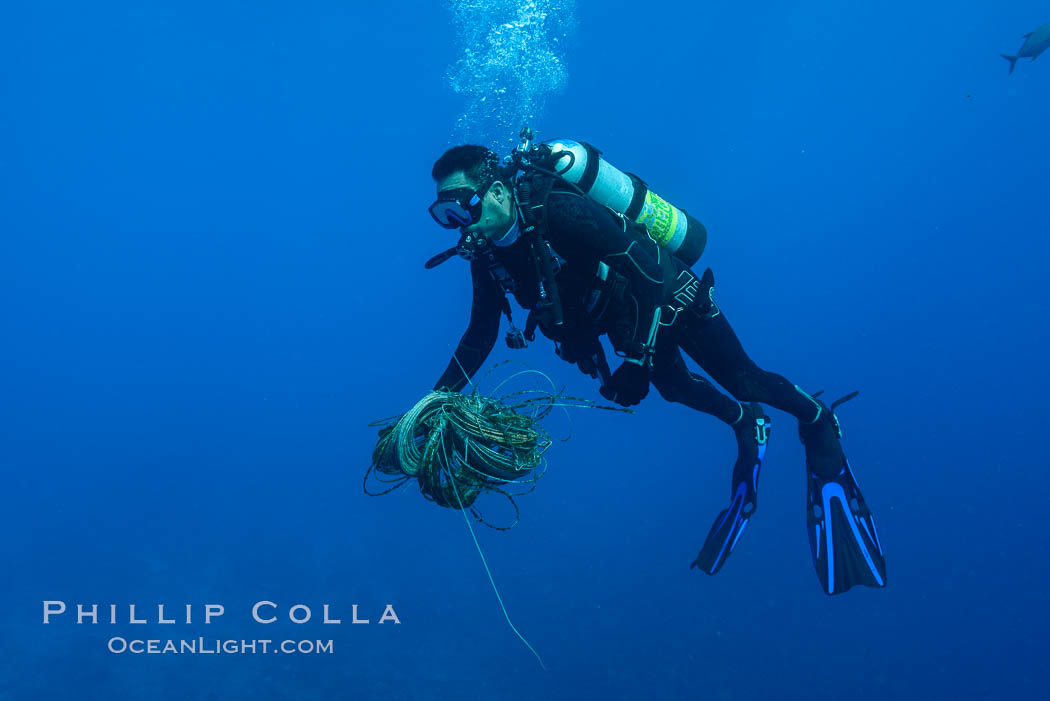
(820, 437)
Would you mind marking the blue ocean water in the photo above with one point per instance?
(214, 224)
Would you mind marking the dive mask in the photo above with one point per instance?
(458, 207)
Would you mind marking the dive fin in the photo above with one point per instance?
(842, 536)
(731, 522)
(729, 525)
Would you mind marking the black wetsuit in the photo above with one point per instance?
(583, 233)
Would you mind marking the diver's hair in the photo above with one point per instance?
(479, 164)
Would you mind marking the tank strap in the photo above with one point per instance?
(638, 198)
(590, 171)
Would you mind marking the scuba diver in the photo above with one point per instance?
(590, 251)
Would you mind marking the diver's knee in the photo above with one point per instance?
(670, 394)
(668, 390)
(684, 387)
(744, 385)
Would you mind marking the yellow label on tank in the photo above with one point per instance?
(659, 217)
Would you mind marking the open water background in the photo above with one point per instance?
(213, 223)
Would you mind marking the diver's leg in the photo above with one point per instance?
(705, 335)
(676, 383)
(843, 540)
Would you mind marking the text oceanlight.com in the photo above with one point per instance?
(202, 646)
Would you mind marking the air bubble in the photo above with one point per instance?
(509, 65)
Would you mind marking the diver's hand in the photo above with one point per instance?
(628, 386)
(581, 353)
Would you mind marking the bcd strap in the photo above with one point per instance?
(668, 267)
(707, 309)
(532, 194)
(530, 326)
(533, 191)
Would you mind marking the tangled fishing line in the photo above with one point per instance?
(459, 446)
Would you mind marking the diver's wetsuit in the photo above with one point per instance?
(583, 233)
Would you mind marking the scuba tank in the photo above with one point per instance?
(581, 165)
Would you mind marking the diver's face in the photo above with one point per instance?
(497, 206)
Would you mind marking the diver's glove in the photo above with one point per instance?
(582, 351)
(629, 385)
